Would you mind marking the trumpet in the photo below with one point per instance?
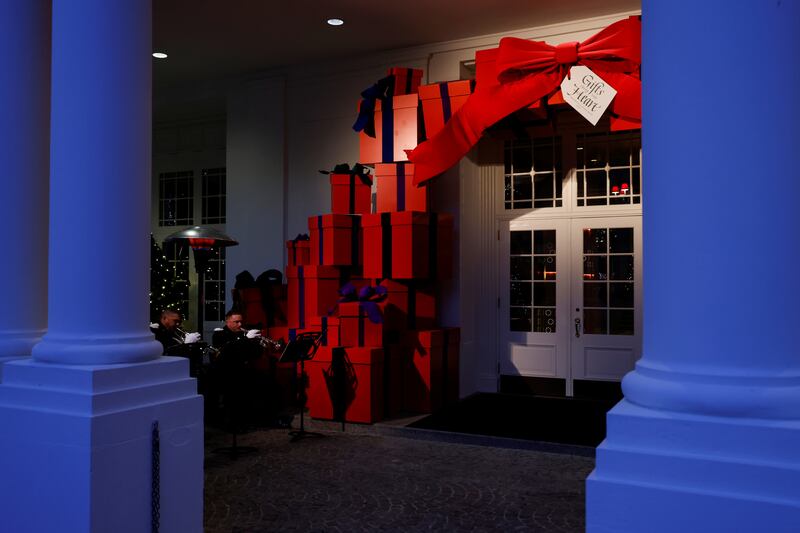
(180, 335)
(271, 344)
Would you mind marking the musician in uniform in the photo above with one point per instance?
(235, 380)
(242, 344)
(169, 333)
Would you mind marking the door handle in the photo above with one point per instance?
(577, 327)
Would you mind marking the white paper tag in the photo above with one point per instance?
(587, 92)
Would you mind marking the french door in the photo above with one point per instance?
(569, 299)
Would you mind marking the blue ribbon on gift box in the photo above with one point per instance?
(368, 298)
(444, 90)
(401, 186)
(382, 90)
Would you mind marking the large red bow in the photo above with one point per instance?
(528, 71)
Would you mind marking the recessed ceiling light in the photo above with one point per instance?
(159, 55)
(335, 22)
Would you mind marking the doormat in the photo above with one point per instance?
(576, 421)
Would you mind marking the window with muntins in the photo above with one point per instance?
(176, 198)
(213, 198)
(177, 254)
(608, 168)
(533, 173)
(214, 309)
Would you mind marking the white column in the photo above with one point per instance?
(99, 227)
(78, 416)
(24, 119)
(708, 434)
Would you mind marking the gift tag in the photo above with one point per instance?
(587, 92)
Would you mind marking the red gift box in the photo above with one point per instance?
(409, 305)
(277, 333)
(329, 327)
(408, 245)
(396, 130)
(249, 303)
(432, 379)
(440, 101)
(356, 327)
(335, 240)
(397, 364)
(298, 253)
(395, 190)
(377, 232)
(346, 383)
(313, 291)
(350, 194)
(406, 80)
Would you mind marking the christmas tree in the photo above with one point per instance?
(163, 292)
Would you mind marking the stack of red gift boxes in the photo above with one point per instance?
(398, 360)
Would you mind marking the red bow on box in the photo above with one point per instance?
(528, 71)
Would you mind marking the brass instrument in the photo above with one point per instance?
(271, 344)
(181, 337)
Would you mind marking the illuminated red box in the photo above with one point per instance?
(329, 327)
(421, 245)
(406, 80)
(409, 305)
(396, 130)
(350, 194)
(395, 191)
(335, 240)
(346, 383)
(298, 253)
(408, 245)
(313, 291)
(440, 101)
(433, 375)
(356, 327)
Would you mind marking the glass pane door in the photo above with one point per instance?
(606, 296)
(534, 299)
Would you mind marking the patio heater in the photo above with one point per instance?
(203, 241)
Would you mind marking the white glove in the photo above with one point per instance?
(253, 334)
(153, 325)
(191, 338)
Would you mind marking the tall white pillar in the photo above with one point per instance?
(708, 435)
(24, 151)
(78, 451)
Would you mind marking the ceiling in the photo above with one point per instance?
(216, 39)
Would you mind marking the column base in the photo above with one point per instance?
(4, 360)
(77, 446)
(661, 471)
(16, 344)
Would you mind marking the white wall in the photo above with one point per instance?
(255, 177)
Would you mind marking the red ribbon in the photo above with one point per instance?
(528, 71)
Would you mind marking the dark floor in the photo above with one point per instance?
(388, 477)
(572, 421)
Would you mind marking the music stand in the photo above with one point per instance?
(302, 349)
(231, 372)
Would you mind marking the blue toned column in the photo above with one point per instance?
(707, 437)
(24, 153)
(80, 417)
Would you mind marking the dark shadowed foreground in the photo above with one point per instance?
(366, 479)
